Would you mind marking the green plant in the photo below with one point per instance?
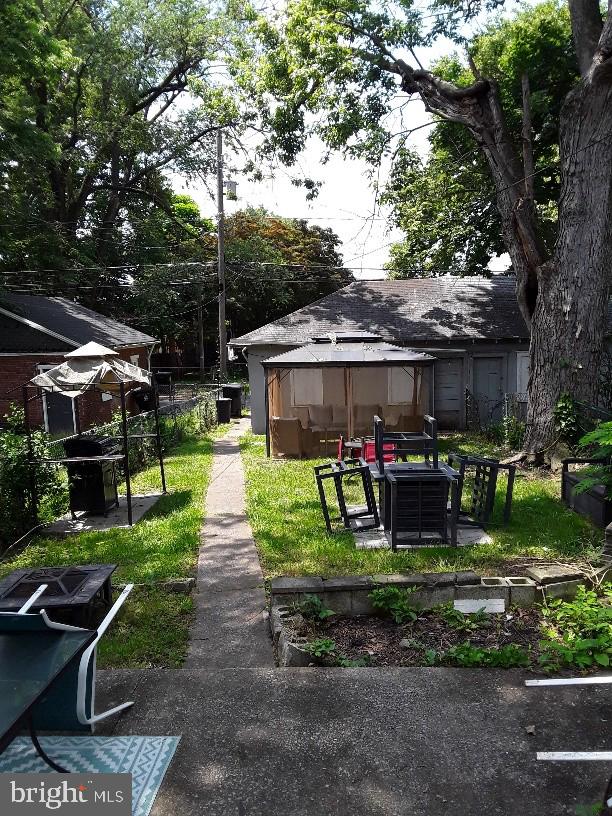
(16, 475)
(311, 607)
(514, 432)
(495, 433)
(568, 420)
(598, 443)
(395, 602)
(459, 621)
(321, 647)
(472, 656)
(579, 632)
(358, 663)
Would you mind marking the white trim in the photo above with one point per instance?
(575, 756)
(38, 327)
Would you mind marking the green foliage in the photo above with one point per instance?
(15, 474)
(579, 632)
(321, 647)
(469, 656)
(598, 444)
(462, 622)
(395, 602)
(514, 432)
(312, 608)
(568, 420)
(102, 104)
(358, 663)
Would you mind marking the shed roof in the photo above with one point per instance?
(73, 322)
(418, 310)
(347, 354)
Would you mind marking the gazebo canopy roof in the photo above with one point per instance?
(90, 367)
(347, 354)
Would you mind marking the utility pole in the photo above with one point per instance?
(221, 259)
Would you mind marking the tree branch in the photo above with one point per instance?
(587, 27)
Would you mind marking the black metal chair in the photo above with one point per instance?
(484, 487)
(416, 507)
(338, 471)
(402, 444)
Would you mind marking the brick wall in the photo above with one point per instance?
(15, 372)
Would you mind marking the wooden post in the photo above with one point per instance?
(126, 453)
(267, 404)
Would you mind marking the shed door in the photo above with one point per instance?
(447, 393)
(488, 388)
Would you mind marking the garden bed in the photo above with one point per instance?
(560, 635)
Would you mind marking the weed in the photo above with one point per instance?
(321, 647)
(312, 608)
(395, 602)
(579, 632)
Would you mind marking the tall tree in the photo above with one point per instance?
(274, 266)
(445, 204)
(350, 59)
(133, 92)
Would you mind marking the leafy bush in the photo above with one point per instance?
(579, 632)
(598, 445)
(395, 602)
(15, 505)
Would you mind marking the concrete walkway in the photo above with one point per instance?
(230, 628)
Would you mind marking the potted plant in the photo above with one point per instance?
(588, 490)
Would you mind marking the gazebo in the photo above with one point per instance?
(336, 384)
(93, 367)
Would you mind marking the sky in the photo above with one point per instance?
(346, 201)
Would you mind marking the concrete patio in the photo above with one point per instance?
(117, 517)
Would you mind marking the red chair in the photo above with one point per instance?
(368, 451)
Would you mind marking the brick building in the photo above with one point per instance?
(35, 334)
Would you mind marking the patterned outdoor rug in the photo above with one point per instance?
(146, 758)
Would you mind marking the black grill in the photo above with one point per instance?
(92, 485)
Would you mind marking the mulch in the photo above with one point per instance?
(378, 638)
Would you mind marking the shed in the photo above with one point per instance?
(336, 384)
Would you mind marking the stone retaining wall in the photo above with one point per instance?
(348, 595)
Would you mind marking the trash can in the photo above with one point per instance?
(234, 392)
(224, 410)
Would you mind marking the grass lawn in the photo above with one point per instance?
(285, 514)
(152, 628)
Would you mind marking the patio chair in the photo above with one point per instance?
(289, 437)
(405, 443)
(484, 486)
(70, 703)
(364, 516)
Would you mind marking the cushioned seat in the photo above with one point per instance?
(289, 438)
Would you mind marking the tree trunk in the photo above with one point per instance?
(570, 319)
(563, 300)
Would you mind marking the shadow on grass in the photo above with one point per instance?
(169, 503)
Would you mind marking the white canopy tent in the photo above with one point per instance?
(94, 367)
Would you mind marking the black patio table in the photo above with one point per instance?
(30, 664)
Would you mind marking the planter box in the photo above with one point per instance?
(593, 503)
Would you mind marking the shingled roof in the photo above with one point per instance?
(407, 311)
(72, 321)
